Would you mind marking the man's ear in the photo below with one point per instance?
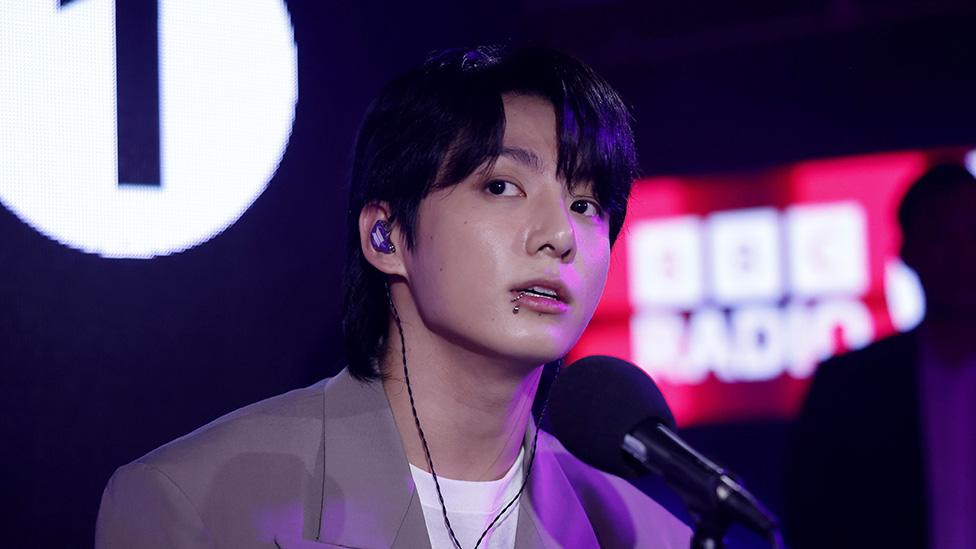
(387, 260)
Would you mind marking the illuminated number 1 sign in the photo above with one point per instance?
(137, 84)
(141, 128)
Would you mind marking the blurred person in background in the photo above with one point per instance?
(884, 452)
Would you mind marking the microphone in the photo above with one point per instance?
(610, 414)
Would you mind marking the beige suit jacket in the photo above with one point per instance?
(324, 467)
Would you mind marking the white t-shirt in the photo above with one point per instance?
(471, 506)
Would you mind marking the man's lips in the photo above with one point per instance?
(538, 303)
(547, 296)
(551, 289)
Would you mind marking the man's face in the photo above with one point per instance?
(513, 228)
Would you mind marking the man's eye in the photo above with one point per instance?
(500, 187)
(587, 208)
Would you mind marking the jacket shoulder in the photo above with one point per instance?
(882, 356)
(212, 484)
(862, 382)
(281, 435)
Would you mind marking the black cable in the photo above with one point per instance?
(535, 440)
(423, 438)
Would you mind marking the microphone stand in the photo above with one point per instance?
(715, 499)
(709, 531)
(711, 525)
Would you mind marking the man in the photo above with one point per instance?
(884, 452)
(487, 189)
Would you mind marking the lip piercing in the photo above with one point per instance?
(515, 300)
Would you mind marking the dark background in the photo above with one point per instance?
(103, 360)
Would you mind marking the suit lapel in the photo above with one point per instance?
(368, 495)
(552, 515)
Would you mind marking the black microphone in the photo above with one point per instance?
(609, 414)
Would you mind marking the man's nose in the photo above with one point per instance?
(552, 230)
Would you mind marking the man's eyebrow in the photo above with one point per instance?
(523, 156)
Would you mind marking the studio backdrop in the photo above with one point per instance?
(172, 207)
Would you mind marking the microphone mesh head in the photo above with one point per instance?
(596, 401)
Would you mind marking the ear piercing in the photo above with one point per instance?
(379, 235)
(515, 300)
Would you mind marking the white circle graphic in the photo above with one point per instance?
(228, 85)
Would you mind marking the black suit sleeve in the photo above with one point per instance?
(814, 482)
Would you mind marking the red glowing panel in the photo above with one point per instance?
(728, 290)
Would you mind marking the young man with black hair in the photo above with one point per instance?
(487, 189)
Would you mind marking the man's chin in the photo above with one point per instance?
(539, 357)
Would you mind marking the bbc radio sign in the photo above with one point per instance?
(746, 295)
(145, 128)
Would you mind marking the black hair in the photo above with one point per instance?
(434, 126)
(937, 181)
